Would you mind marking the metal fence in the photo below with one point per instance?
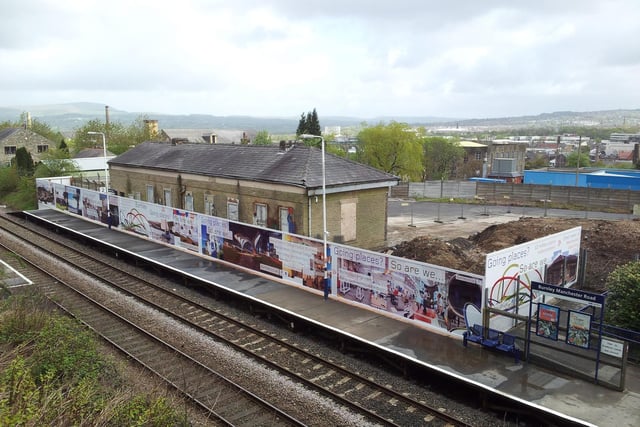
(570, 197)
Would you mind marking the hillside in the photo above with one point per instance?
(67, 117)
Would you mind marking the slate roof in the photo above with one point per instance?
(91, 152)
(298, 166)
(7, 132)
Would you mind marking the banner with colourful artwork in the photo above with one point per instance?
(417, 291)
(509, 272)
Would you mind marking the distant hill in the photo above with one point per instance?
(605, 118)
(68, 117)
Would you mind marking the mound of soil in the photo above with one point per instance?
(608, 244)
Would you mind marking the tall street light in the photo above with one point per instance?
(106, 169)
(325, 233)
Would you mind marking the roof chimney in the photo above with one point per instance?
(152, 128)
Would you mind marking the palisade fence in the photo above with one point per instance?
(587, 198)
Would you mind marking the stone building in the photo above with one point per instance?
(13, 138)
(269, 186)
(506, 160)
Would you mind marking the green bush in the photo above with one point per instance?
(52, 373)
(623, 298)
(9, 180)
(67, 350)
(142, 411)
(24, 197)
(21, 319)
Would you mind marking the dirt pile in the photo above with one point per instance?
(608, 244)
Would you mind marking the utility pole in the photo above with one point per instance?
(578, 163)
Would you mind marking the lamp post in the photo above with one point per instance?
(325, 233)
(106, 169)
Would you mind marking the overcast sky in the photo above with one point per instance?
(359, 58)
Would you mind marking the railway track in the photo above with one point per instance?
(377, 403)
(225, 401)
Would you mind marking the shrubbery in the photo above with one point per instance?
(52, 373)
(623, 298)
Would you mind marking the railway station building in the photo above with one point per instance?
(277, 187)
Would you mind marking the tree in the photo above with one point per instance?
(572, 160)
(313, 124)
(623, 298)
(302, 125)
(309, 124)
(441, 158)
(118, 137)
(56, 162)
(262, 138)
(9, 180)
(23, 162)
(63, 147)
(394, 148)
(41, 128)
(538, 161)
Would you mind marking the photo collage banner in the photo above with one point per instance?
(420, 292)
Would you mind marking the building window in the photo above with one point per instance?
(42, 148)
(209, 205)
(348, 220)
(478, 155)
(260, 214)
(232, 209)
(150, 196)
(188, 201)
(10, 149)
(167, 197)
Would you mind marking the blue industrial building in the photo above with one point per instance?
(619, 179)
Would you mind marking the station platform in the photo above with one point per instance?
(578, 400)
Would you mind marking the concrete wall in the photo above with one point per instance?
(600, 199)
(443, 189)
